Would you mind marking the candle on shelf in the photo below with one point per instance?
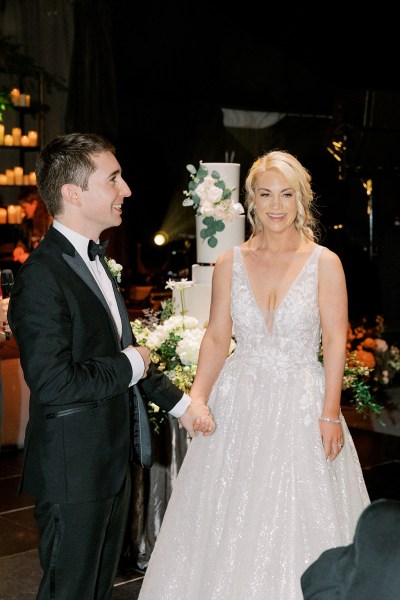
(8, 139)
(18, 175)
(15, 94)
(12, 213)
(26, 179)
(25, 140)
(27, 100)
(3, 179)
(32, 178)
(1, 134)
(10, 176)
(33, 137)
(3, 216)
(16, 136)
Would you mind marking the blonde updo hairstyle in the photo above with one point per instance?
(297, 177)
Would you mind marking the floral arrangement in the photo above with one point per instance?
(174, 341)
(210, 197)
(114, 268)
(356, 387)
(371, 364)
(367, 346)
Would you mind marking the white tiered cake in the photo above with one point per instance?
(197, 298)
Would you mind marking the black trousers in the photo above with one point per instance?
(80, 545)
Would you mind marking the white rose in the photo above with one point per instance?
(381, 345)
(207, 191)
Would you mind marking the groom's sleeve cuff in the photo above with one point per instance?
(181, 406)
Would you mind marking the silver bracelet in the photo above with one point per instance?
(330, 420)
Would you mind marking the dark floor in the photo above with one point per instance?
(19, 567)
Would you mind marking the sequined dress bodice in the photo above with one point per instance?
(287, 336)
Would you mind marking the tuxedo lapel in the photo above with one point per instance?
(76, 262)
(78, 265)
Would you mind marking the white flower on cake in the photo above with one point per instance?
(211, 198)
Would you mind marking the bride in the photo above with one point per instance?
(279, 481)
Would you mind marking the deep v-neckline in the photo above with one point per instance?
(291, 286)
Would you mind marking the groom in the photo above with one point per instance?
(81, 366)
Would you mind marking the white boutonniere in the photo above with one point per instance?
(114, 268)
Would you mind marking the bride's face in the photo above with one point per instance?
(275, 201)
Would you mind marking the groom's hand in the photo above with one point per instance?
(145, 354)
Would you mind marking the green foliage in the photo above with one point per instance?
(356, 389)
(212, 227)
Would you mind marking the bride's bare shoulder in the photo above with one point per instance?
(329, 258)
(225, 259)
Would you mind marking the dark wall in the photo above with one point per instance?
(154, 78)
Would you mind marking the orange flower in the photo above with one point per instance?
(365, 358)
(369, 344)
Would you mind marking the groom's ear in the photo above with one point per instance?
(71, 194)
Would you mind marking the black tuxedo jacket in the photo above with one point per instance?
(77, 441)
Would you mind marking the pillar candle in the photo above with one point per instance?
(25, 140)
(1, 134)
(15, 93)
(33, 138)
(3, 179)
(10, 176)
(26, 179)
(32, 178)
(8, 140)
(12, 214)
(3, 216)
(18, 175)
(16, 136)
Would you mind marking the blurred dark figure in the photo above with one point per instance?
(367, 569)
(36, 220)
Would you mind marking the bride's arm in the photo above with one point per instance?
(214, 348)
(334, 321)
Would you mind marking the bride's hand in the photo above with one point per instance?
(332, 439)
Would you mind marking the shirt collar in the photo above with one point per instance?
(79, 242)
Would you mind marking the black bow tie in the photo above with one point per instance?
(96, 249)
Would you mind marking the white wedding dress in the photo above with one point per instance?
(256, 502)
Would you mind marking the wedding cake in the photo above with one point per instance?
(220, 225)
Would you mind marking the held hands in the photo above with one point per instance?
(198, 418)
